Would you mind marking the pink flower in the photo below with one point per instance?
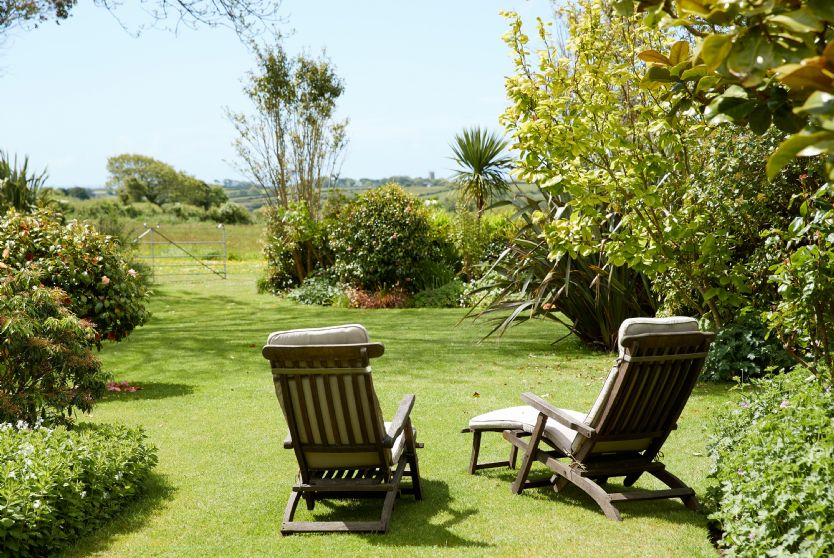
(132, 272)
(744, 405)
(105, 280)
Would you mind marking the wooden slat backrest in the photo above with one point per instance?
(329, 402)
(656, 377)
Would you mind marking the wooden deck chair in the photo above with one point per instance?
(658, 365)
(344, 449)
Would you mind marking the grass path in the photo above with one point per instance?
(223, 477)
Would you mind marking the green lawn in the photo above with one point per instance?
(223, 477)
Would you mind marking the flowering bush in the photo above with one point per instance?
(57, 484)
(774, 468)
(46, 366)
(384, 239)
(89, 267)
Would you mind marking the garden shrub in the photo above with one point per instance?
(742, 350)
(90, 267)
(774, 468)
(58, 484)
(295, 246)
(384, 239)
(46, 366)
(445, 296)
(185, 211)
(316, 289)
(230, 213)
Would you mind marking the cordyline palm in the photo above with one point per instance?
(482, 175)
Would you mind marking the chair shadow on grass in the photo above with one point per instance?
(424, 523)
(131, 518)
(671, 510)
(150, 390)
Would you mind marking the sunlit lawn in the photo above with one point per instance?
(223, 477)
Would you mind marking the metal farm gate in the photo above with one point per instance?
(181, 258)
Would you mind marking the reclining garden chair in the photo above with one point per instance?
(344, 450)
(658, 365)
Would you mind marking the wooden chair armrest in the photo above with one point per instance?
(399, 421)
(550, 411)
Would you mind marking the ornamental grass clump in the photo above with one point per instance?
(58, 484)
(774, 468)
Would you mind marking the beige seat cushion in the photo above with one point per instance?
(524, 418)
(335, 335)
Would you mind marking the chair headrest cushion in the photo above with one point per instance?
(335, 335)
(637, 326)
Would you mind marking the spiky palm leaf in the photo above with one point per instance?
(482, 176)
(18, 188)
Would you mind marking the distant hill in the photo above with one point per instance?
(251, 195)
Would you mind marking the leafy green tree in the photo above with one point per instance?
(482, 176)
(291, 144)
(761, 65)
(644, 188)
(140, 178)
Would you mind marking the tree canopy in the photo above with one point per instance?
(291, 143)
(246, 17)
(143, 178)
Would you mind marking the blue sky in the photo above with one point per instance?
(415, 74)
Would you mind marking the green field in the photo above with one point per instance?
(223, 477)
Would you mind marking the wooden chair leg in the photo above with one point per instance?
(513, 456)
(631, 479)
(529, 455)
(413, 464)
(476, 449)
(672, 481)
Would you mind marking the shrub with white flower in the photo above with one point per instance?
(57, 484)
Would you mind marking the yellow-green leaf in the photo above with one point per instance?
(714, 49)
(695, 7)
(654, 57)
(798, 21)
(789, 149)
(679, 53)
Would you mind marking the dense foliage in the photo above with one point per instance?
(384, 239)
(58, 484)
(295, 246)
(742, 350)
(761, 65)
(47, 369)
(774, 468)
(663, 194)
(317, 289)
(89, 267)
